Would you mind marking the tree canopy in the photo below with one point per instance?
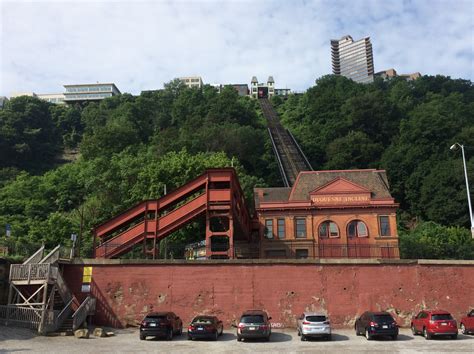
(130, 147)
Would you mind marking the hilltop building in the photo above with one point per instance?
(353, 59)
(57, 98)
(192, 81)
(262, 90)
(3, 100)
(390, 73)
(89, 92)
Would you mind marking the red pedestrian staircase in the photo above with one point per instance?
(216, 194)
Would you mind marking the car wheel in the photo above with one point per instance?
(216, 335)
(303, 337)
(368, 335)
(239, 339)
(180, 332)
(454, 336)
(413, 330)
(394, 337)
(463, 329)
(142, 336)
(170, 334)
(426, 334)
(329, 337)
(267, 339)
(189, 337)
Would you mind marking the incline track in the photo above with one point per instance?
(291, 159)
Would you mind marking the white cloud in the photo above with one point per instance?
(140, 45)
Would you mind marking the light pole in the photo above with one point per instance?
(454, 147)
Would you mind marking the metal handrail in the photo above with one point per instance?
(81, 313)
(30, 271)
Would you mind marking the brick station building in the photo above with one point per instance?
(347, 213)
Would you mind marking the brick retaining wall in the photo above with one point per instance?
(127, 290)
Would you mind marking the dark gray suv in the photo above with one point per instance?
(254, 324)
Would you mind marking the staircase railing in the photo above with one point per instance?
(63, 288)
(87, 306)
(30, 272)
(52, 256)
(21, 316)
(36, 257)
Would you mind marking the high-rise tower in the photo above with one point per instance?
(353, 60)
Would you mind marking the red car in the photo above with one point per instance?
(467, 323)
(434, 323)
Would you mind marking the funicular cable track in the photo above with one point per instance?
(291, 159)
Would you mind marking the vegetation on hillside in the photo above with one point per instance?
(131, 147)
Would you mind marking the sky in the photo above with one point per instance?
(140, 45)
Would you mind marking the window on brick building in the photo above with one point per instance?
(300, 227)
(384, 225)
(328, 229)
(281, 228)
(357, 228)
(269, 228)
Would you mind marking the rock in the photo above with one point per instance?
(99, 332)
(81, 333)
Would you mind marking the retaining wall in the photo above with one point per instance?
(127, 289)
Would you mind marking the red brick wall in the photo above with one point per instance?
(127, 292)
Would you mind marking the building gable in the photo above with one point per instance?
(340, 191)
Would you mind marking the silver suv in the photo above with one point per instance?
(314, 324)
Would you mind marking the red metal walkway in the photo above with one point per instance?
(216, 194)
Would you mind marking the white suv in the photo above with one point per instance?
(314, 324)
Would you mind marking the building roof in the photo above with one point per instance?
(373, 180)
(254, 79)
(270, 79)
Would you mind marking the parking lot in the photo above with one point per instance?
(283, 341)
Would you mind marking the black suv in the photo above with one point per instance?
(163, 324)
(254, 324)
(373, 324)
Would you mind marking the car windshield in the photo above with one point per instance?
(203, 320)
(383, 318)
(441, 317)
(252, 319)
(316, 318)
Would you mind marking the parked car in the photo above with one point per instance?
(161, 324)
(434, 323)
(205, 327)
(372, 324)
(467, 323)
(254, 324)
(313, 324)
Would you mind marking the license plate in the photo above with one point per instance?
(444, 324)
(152, 324)
(200, 329)
(384, 326)
(251, 328)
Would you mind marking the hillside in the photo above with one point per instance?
(133, 147)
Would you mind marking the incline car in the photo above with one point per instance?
(209, 327)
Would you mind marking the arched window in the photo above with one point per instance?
(357, 228)
(328, 229)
